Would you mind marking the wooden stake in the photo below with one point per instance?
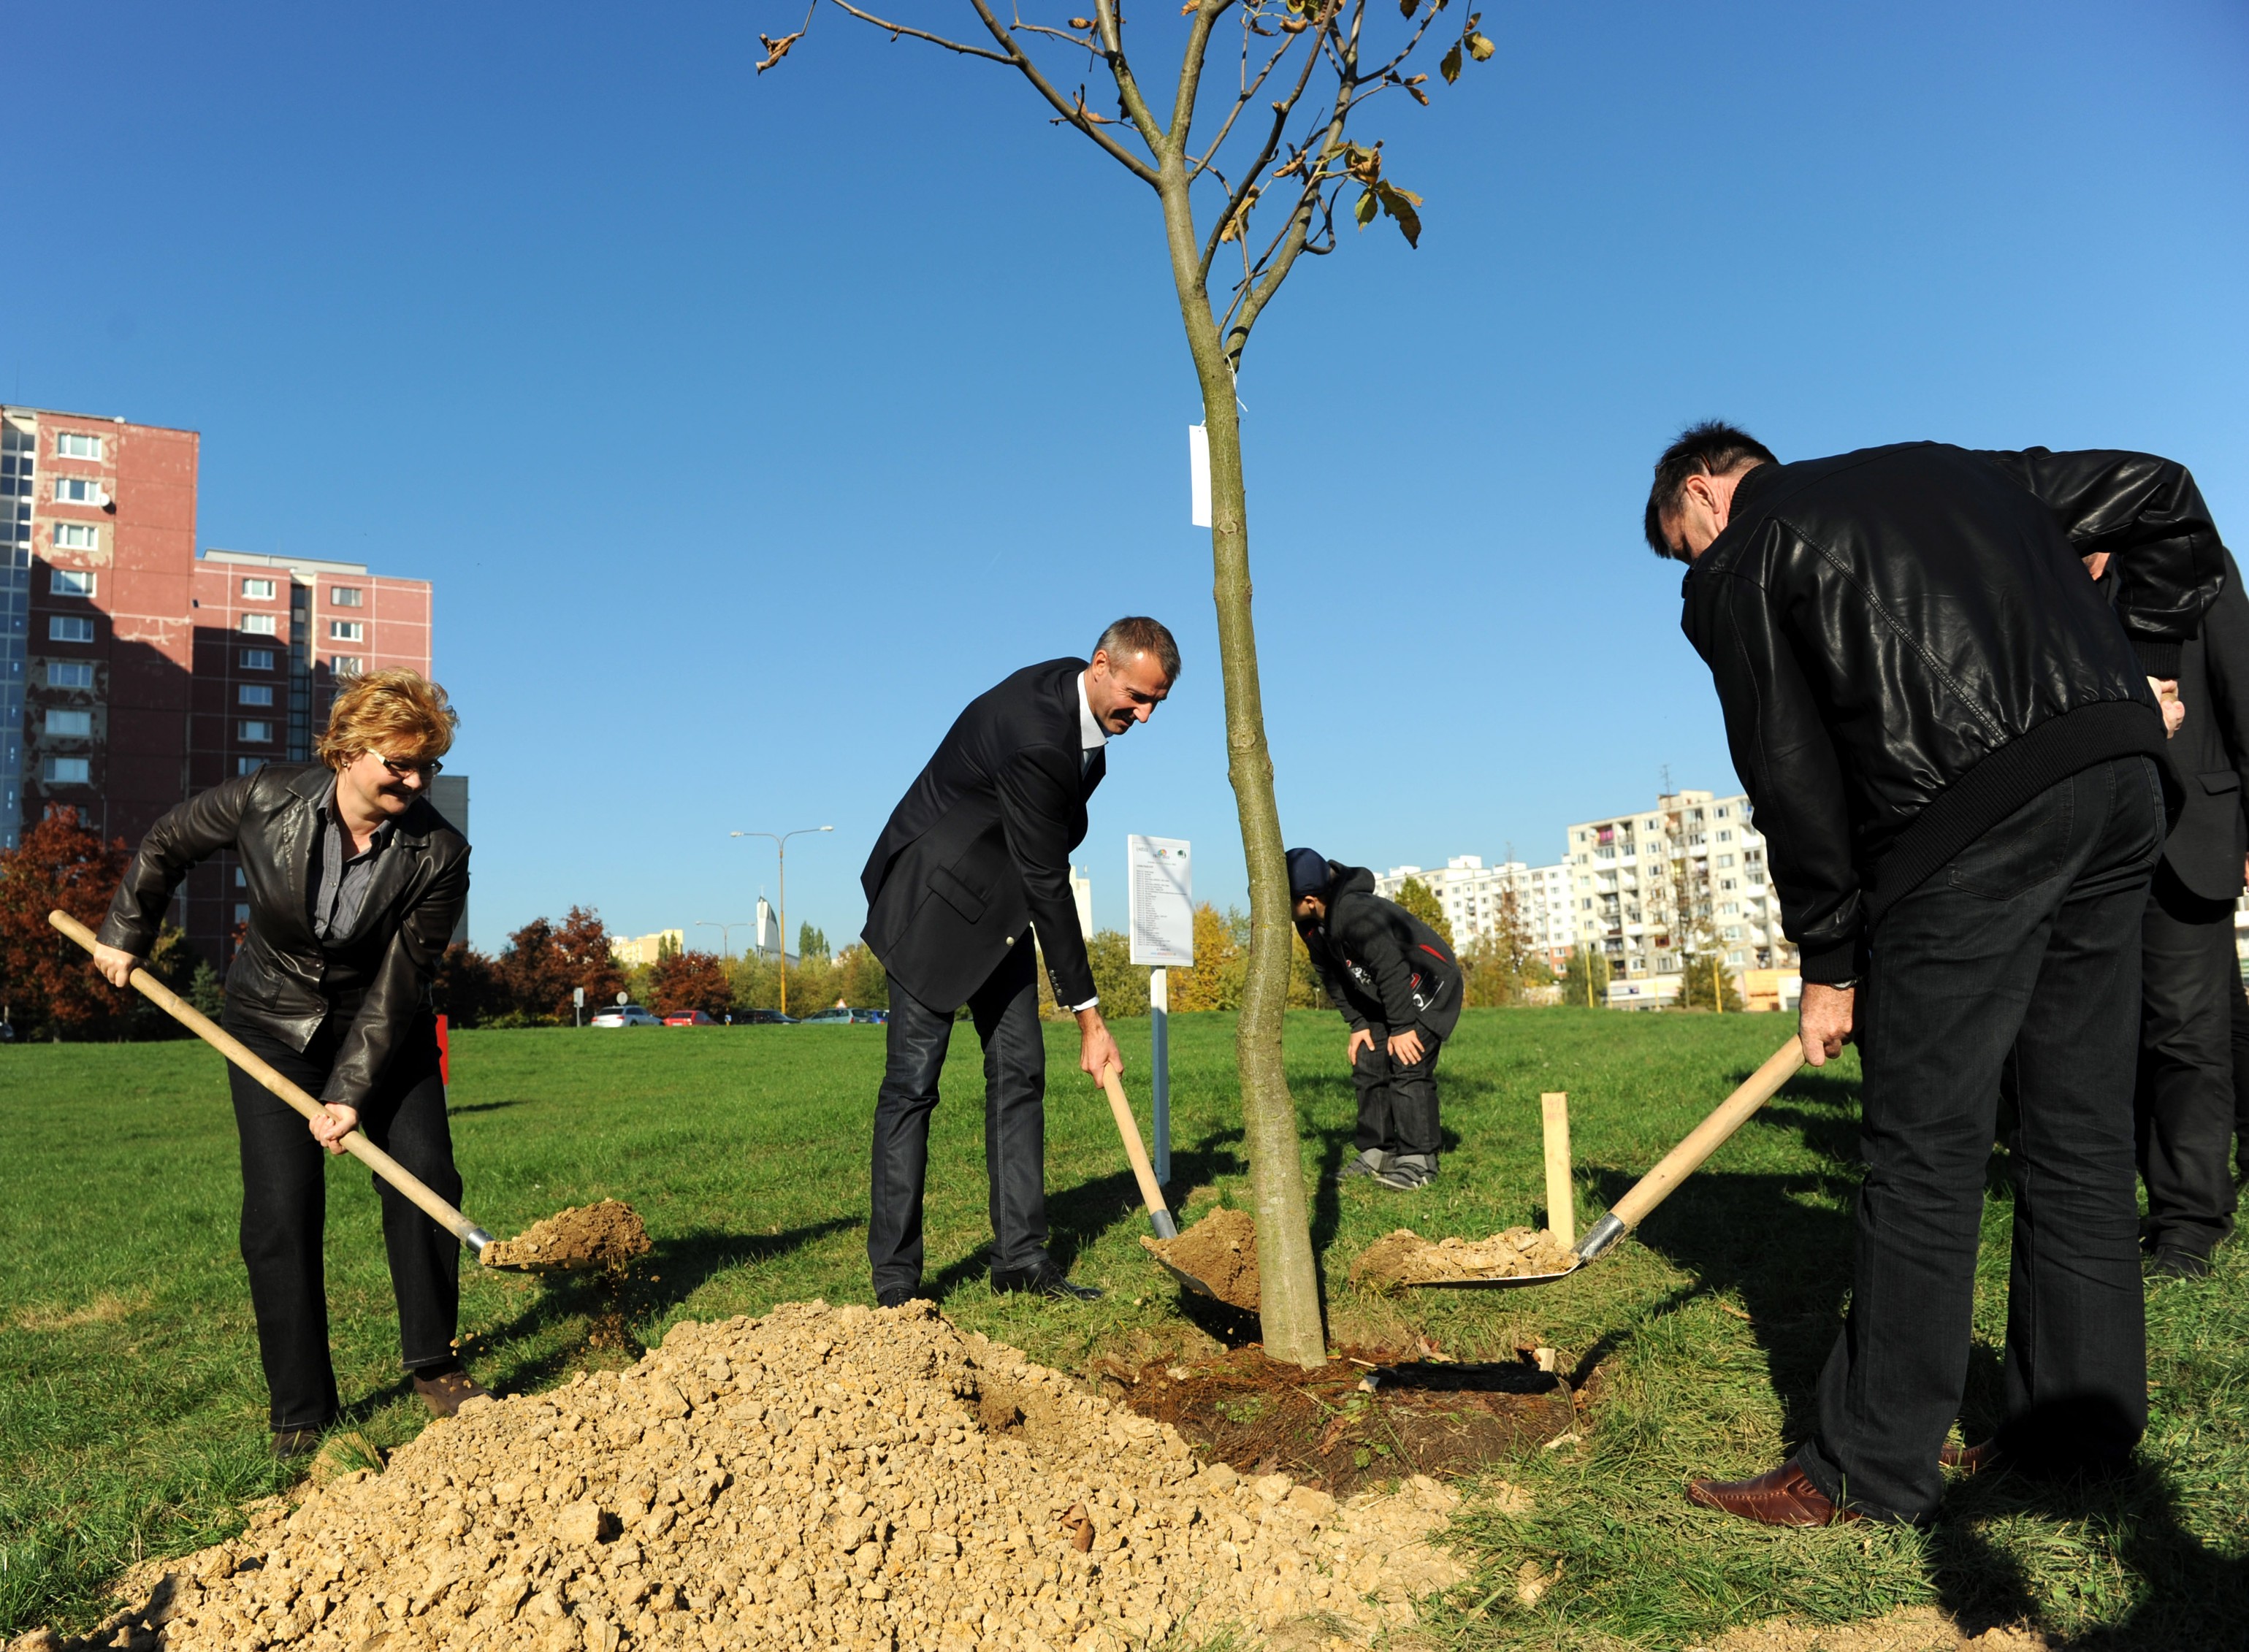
(1561, 1207)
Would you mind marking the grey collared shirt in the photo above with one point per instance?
(339, 878)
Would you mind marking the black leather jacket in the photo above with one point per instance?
(284, 981)
(1907, 650)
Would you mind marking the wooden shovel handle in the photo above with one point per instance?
(233, 1048)
(1726, 1118)
(1160, 1215)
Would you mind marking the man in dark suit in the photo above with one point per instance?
(974, 859)
(2190, 976)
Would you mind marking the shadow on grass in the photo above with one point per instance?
(480, 1107)
(2190, 1595)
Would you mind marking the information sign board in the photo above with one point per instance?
(1160, 883)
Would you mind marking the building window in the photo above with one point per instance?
(69, 628)
(76, 445)
(256, 694)
(72, 673)
(67, 725)
(66, 771)
(78, 490)
(347, 664)
(248, 765)
(346, 597)
(241, 907)
(258, 590)
(69, 581)
(256, 731)
(258, 624)
(347, 630)
(77, 536)
(241, 878)
(256, 659)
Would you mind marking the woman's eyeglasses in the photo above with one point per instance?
(429, 770)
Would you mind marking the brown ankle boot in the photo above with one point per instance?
(445, 1389)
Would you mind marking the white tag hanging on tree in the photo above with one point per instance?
(1199, 476)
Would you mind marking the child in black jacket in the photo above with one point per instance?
(1398, 985)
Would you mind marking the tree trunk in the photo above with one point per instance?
(1288, 1287)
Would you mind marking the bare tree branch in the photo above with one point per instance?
(1250, 89)
(894, 30)
(1112, 27)
(1191, 61)
(1239, 200)
(1062, 106)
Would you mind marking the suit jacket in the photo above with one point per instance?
(284, 981)
(2209, 754)
(978, 850)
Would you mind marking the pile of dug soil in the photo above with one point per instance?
(869, 1478)
(608, 1235)
(1403, 1258)
(1222, 1251)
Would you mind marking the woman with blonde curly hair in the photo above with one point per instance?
(356, 884)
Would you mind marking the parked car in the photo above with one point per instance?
(625, 1016)
(842, 1017)
(690, 1018)
(761, 1018)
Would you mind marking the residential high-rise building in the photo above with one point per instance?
(96, 552)
(133, 673)
(1475, 898)
(1686, 877)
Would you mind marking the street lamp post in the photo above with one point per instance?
(726, 933)
(780, 857)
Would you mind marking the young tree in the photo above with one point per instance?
(543, 963)
(469, 988)
(1585, 979)
(48, 982)
(811, 944)
(1220, 187)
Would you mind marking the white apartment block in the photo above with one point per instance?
(1475, 896)
(1631, 874)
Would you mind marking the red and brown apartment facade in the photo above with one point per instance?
(134, 671)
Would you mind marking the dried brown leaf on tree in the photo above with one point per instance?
(1237, 222)
(1450, 65)
(776, 50)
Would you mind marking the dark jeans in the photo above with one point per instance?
(285, 1211)
(1397, 1103)
(2238, 1001)
(1006, 1011)
(2185, 1107)
(2029, 939)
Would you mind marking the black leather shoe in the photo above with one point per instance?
(1046, 1280)
(898, 1296)
(2176, 1262)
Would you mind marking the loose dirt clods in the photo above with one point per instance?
(1222, 1251)
(856, 1478)
(1403, 1258)
(608, 1235)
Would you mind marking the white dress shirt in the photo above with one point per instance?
(1091, 737)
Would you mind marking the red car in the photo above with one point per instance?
(691, 1018)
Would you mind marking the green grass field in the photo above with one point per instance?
(132, 1412)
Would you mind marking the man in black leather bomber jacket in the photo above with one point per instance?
(1956, 761)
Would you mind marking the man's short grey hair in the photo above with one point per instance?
(1138, 634)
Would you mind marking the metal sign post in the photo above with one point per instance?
(577, 1005)
(1159, 882)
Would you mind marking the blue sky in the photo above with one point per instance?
(748, 426)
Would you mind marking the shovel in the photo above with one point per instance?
(1658, 1184)
(1160, 1214)
(358, 1145)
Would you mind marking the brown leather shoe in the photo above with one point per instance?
(446, 1391)
(1969, 1459)
(1786, 1497)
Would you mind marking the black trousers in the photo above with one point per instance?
(284, 1212)
(2029, 939)
(2183, 1111)
(2238, 1001)
(1397, 1102)
(1005, 1012)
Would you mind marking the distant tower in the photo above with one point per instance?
(1081, 890)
